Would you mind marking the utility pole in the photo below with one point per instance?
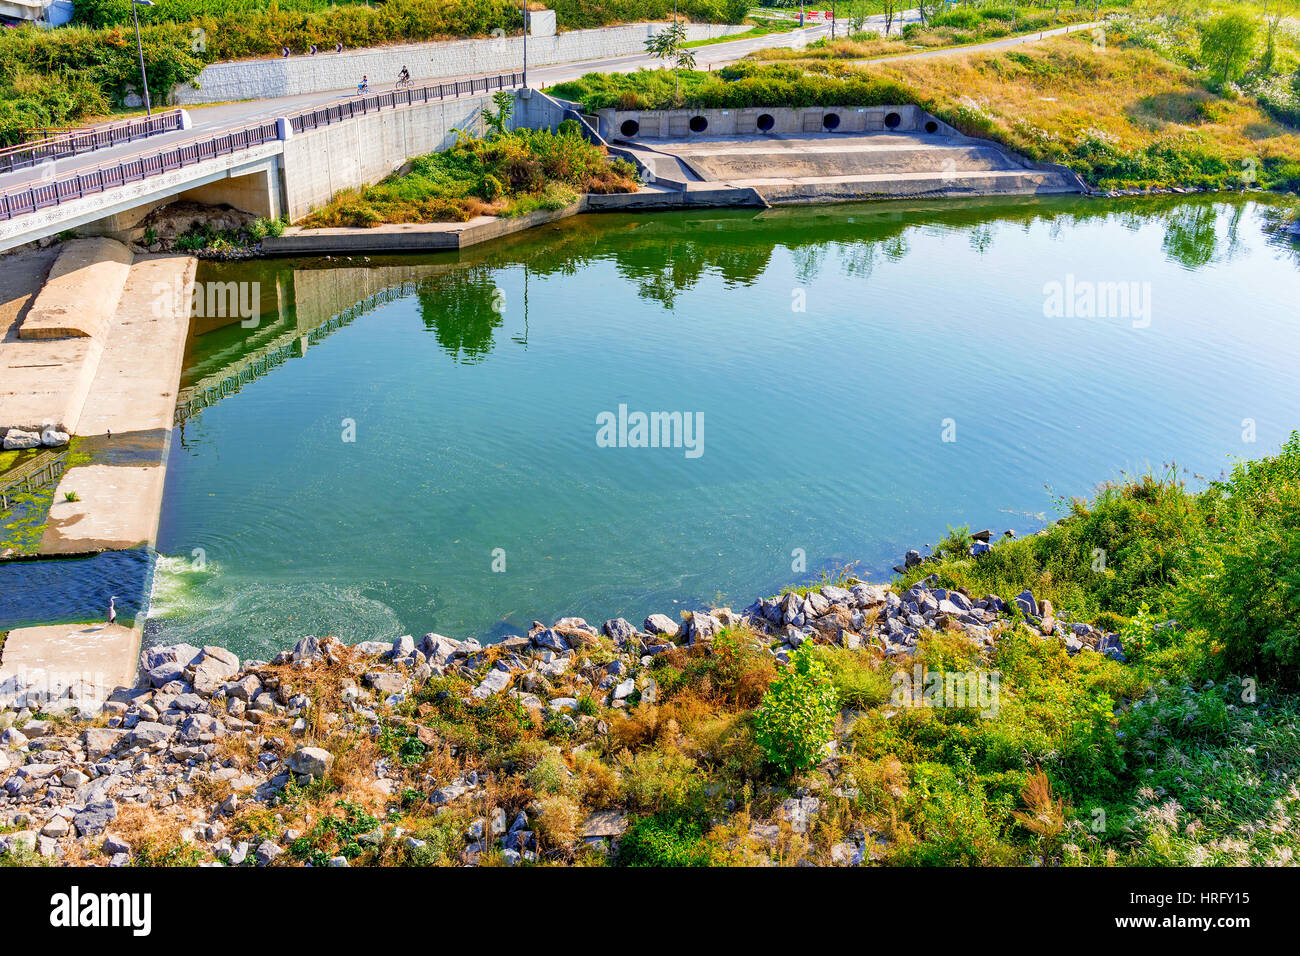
(832, 19)
(139, 48)
(525, 9)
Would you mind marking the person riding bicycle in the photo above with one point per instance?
(364, 85)
(404, 78)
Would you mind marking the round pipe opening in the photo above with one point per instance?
(892, 120)
(630, 127)
(699, 124)
(931, 126)
(765, 122)
(831, 120)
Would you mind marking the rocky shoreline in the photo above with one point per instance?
(207, 739)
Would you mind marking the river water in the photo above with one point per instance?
(448, 442)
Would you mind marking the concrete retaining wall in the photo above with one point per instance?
(684, 124)
(261, 79)
(366, 149)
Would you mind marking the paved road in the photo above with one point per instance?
(213, 120)
(990, 45)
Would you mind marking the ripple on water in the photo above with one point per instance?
(201, 605)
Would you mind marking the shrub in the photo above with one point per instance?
(665, 839)
(1245, 591)
(796, 720)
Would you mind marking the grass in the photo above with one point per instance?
(507, 174)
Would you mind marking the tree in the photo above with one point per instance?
(889, 8)
(1227, 42)
(1268, 61)
(670, 44)
(497, 122)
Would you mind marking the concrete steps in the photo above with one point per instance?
(829, 167)
(874, 159)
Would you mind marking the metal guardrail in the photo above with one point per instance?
(76, 142)
(44, 471)
(32, 198)
(29, 199)
(324, 116)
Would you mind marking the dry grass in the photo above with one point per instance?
(1063, 99)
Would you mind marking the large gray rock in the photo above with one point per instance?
(549, 639)
(220, 661)
(495, 682)
(313, 762)
(403, 647)
(662, 624)
(17, 440)
(701, 627)
(183, 654)
(166, 672)
(149, 732)
(308, 649)
(101, 741)
(95, 818)
(388, 683)
(52, 437)
(620, 630)
(441, 649)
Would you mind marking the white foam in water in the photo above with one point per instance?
(198, 606)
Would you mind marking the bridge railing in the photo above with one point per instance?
(347, 109)
(29, 199)
(17, 202)
(76, 142)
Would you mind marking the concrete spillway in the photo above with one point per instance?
(822, 167)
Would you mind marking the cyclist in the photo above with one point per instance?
(404, 78)
(364, 86)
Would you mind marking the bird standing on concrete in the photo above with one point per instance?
(112, 609)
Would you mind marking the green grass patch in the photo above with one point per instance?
(506, 174)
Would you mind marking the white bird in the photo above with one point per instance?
(112, 609)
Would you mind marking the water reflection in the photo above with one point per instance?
(664, 256)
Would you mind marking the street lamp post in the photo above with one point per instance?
(139, 47)
(525, 9)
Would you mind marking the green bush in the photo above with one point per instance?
(665, 839)
(796, 719)
(1245, 589)
(733, 87)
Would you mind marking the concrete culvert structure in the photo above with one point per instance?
(831, 120)
(699, 124)
(892, 120)
(630, 128)
(765, 122)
